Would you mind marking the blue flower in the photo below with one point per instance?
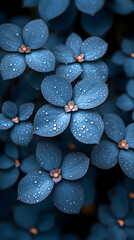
(125, 57)
(126, 101)
(25, 47)
(67, 195)
(107, 154)
(81, 58)
(22, 130)
(117, 218)
(71, 106)
(11, 161)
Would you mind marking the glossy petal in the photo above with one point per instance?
(119, 58)
(99, 24)
(12, 66)
(68, 197)
(41, 60)
(115, 232)
(12, 150)
(95, 70)
(130, 135)
(93, 48)
(74, 166)
(52, 10)
(11, 37)
(6, 162)
(5, 123)
(51, 121)
(69, 71)
(125, 103)
(89, 93)
(64, 54)
(29, 164)
(114, 127)
(56, 90)
(122, 7)
(74, 42)
(87, 127)
(25, 111)
(9, 109)
(8, 177)
(89, 6)
(105, 155)
(130, 88)
(105, 216)
(129, 67)
(126, 161)
(22, 133)
(35, 34)
(48, 156)
(35, 187)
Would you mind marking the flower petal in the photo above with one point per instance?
(130, 88)
(89, 93)
(9, 109)
(52, 10)
(125, 103)
(10, 37)
(35, 187)
(126, 161)
(119, 58)
(12, 65)
(95, 70)
(22, 133)
(127, 46)
(64, 54)
(8, 177)
(5, 123)
(6, 162)
(93, 48)
(114, 127)
(89, 6)
(51, 121)
(68, 197)
(99, 24)
(120, 205)
(115, 232)
(86, 126)
(25, 111)
(69, 71)
(105, 215)
(48, 156)
(35, 34)
(74, 166)
(130, 135)
(129, 67)
(56, 90)
(29, 164)
(41, 60)
(105, 155)
(46, 222)
(74, 42)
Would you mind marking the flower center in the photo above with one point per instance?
(56, 174)
(15, 120)
(17, 163)
(71, 107)
(120, 222)
(131, 195)
(71, 146)
(132, 55)
(79, 58)
(33, 230)
(123, 144)
(24, 49)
